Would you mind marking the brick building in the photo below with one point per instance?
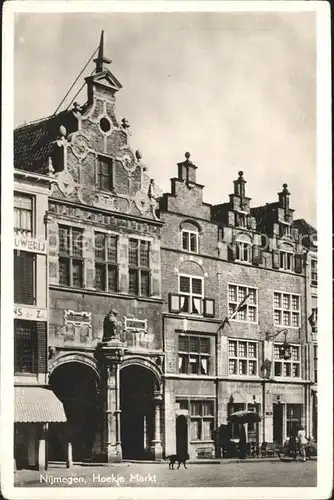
(104, 255)
(161, 272)
(212, 258)
(35, 405)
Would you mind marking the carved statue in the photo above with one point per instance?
(111, 326)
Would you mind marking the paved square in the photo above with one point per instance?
(236, 474)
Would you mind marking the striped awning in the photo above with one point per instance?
(37, 404)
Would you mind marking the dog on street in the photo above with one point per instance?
(181, 459)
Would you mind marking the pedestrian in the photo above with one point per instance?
(242, 442)
(302, 442)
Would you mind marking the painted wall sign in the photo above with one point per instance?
(135, 324)
(286, 388)
(31, 313)
(245, 385)
(27, 244)
(77, 318)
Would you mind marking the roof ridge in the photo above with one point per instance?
(40, 120)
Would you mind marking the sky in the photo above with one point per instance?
(236, 90)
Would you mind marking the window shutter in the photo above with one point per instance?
(41, 347)
(276, 259)
(257, 255)
(299, 263)
(231, 251)
(183, 343)
(209, 308)
(24, 277)
(174, 303)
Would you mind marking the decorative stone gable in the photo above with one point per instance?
(186, 195)
(99, 167)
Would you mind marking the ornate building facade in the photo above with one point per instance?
(139, 283)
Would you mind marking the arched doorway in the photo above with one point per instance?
(137, 386)
(77, 386)
(181, 435)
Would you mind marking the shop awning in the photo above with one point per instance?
(37, 404)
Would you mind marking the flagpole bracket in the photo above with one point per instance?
(285, 351)
(271, 336)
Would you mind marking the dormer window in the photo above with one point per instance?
(240, 220)
(243, 251)
(285, 231)
(105, 174)
(190, 241)
(286, 261)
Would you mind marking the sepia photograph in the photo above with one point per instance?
(162, 224)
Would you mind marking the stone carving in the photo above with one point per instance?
(111, 326)
(80, 145)
(66, 182)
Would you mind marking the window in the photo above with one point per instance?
(201, 418)
(191, 292)
(243, 251)
(314, 272)
(194, 354)
(293, 419)
(287, 367)
(106, 262)
(105, 174)
(248, 312)
(139, 267)
(189, 241)
(242, 357)
(70, 257)
(23, 214)
(315, 363)
(286, 309)
(24, 277)
(240, 220)
(25, 347)
(285, 231)
(286, 261)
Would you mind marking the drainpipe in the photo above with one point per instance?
(307, 360)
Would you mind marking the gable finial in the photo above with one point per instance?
(101, 60)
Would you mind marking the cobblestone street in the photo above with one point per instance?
(233, 474)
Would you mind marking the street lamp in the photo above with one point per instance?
(285, 348)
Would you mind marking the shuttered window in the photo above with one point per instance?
(24, 277)
(41, 334)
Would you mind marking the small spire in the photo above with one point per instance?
(239, 185)
(101, 60)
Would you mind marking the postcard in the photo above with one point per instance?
(166, 319)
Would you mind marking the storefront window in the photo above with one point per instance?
(201, 420)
